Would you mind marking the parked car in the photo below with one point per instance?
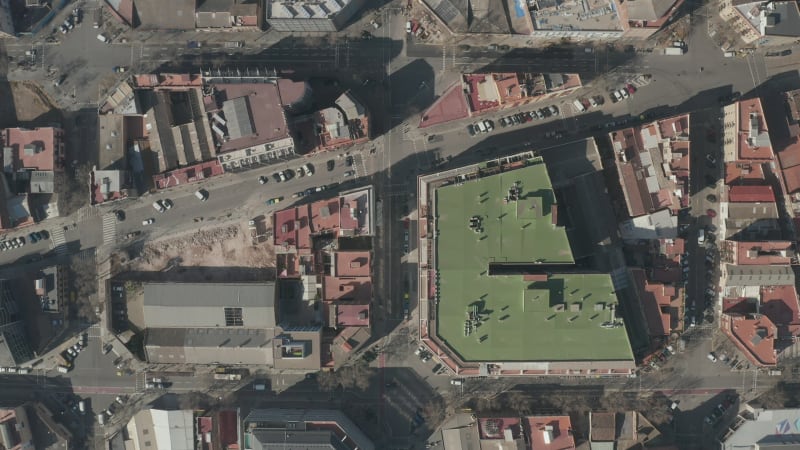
(262, 179)
(331, 164)
(149, 221)
(349, 173)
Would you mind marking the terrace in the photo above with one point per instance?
(488, 230)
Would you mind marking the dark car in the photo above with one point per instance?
(471, 130)
(349, 161)
(331, 164)
(45, 234)
(120, 215)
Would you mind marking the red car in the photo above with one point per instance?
(631, 89)
(711, 213)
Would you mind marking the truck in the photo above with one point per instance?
(227, 376)
(674, 51)
(578, 106)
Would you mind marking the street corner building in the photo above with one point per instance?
(500, 293)
(224, 324)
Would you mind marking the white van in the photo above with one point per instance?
(201, 194)
(82, 406)
(63, 369)
(101, 419)
(701, 236)
(457, 382)
(482, 127)
(102, 38)
(578, 106)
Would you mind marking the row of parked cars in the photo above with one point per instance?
(623, 93)
(73, 19)
(112, 409)
(719, 411)
(72, 352)
(487, 126)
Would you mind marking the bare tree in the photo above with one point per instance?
(73, 189)
(435, 410)
(518, 402)
(84, 280)
(327, 381)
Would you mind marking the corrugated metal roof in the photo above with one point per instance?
(201, 305)
(237, 113)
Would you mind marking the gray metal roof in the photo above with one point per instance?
(295, 440)
(759, 275)
(209, 346)
(772, 428)
(787, 19)
(277, 418)
(42, 182)
(238, 117)
(201, 305)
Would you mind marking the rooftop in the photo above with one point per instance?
(783, 19)
(780, 304)
(38, 148)
(253, 112)
(764, 253)
(568, 308)
(477, 16)
(451, 105)
(313, 420)
(751, 194)
(593, 15)
(768, 429)
(305, 9)
(754, 141)
(160, 15)
(653, 165)
(165, 429)
(756, 337)
(197, 305)
(656, 299)
(759, 275)
(743, 172)
(648, 10)
(603, 426)
(550, 432)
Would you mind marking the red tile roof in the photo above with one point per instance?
(742, 172)
(355, 289)
(46, 150)
(352, 264)
(655, 299)
(351, 315)
(325, 215)
(763, 253)
(751, 194)
(476, 83)
(189, 174)
(749, 149)
(755, 337)
(265, 110)
(780, 304)
(168, 80)
(452, 105)
(285, 231)
(494, 427)
(791, 176)
(550, 432)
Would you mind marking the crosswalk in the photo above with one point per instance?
(58, 243)
(87, 212)
(109, 229)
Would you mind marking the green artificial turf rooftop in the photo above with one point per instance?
(518, 319)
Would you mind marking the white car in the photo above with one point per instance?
(149, 221)
(593, 102)
(307, 168)
(624, 93)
